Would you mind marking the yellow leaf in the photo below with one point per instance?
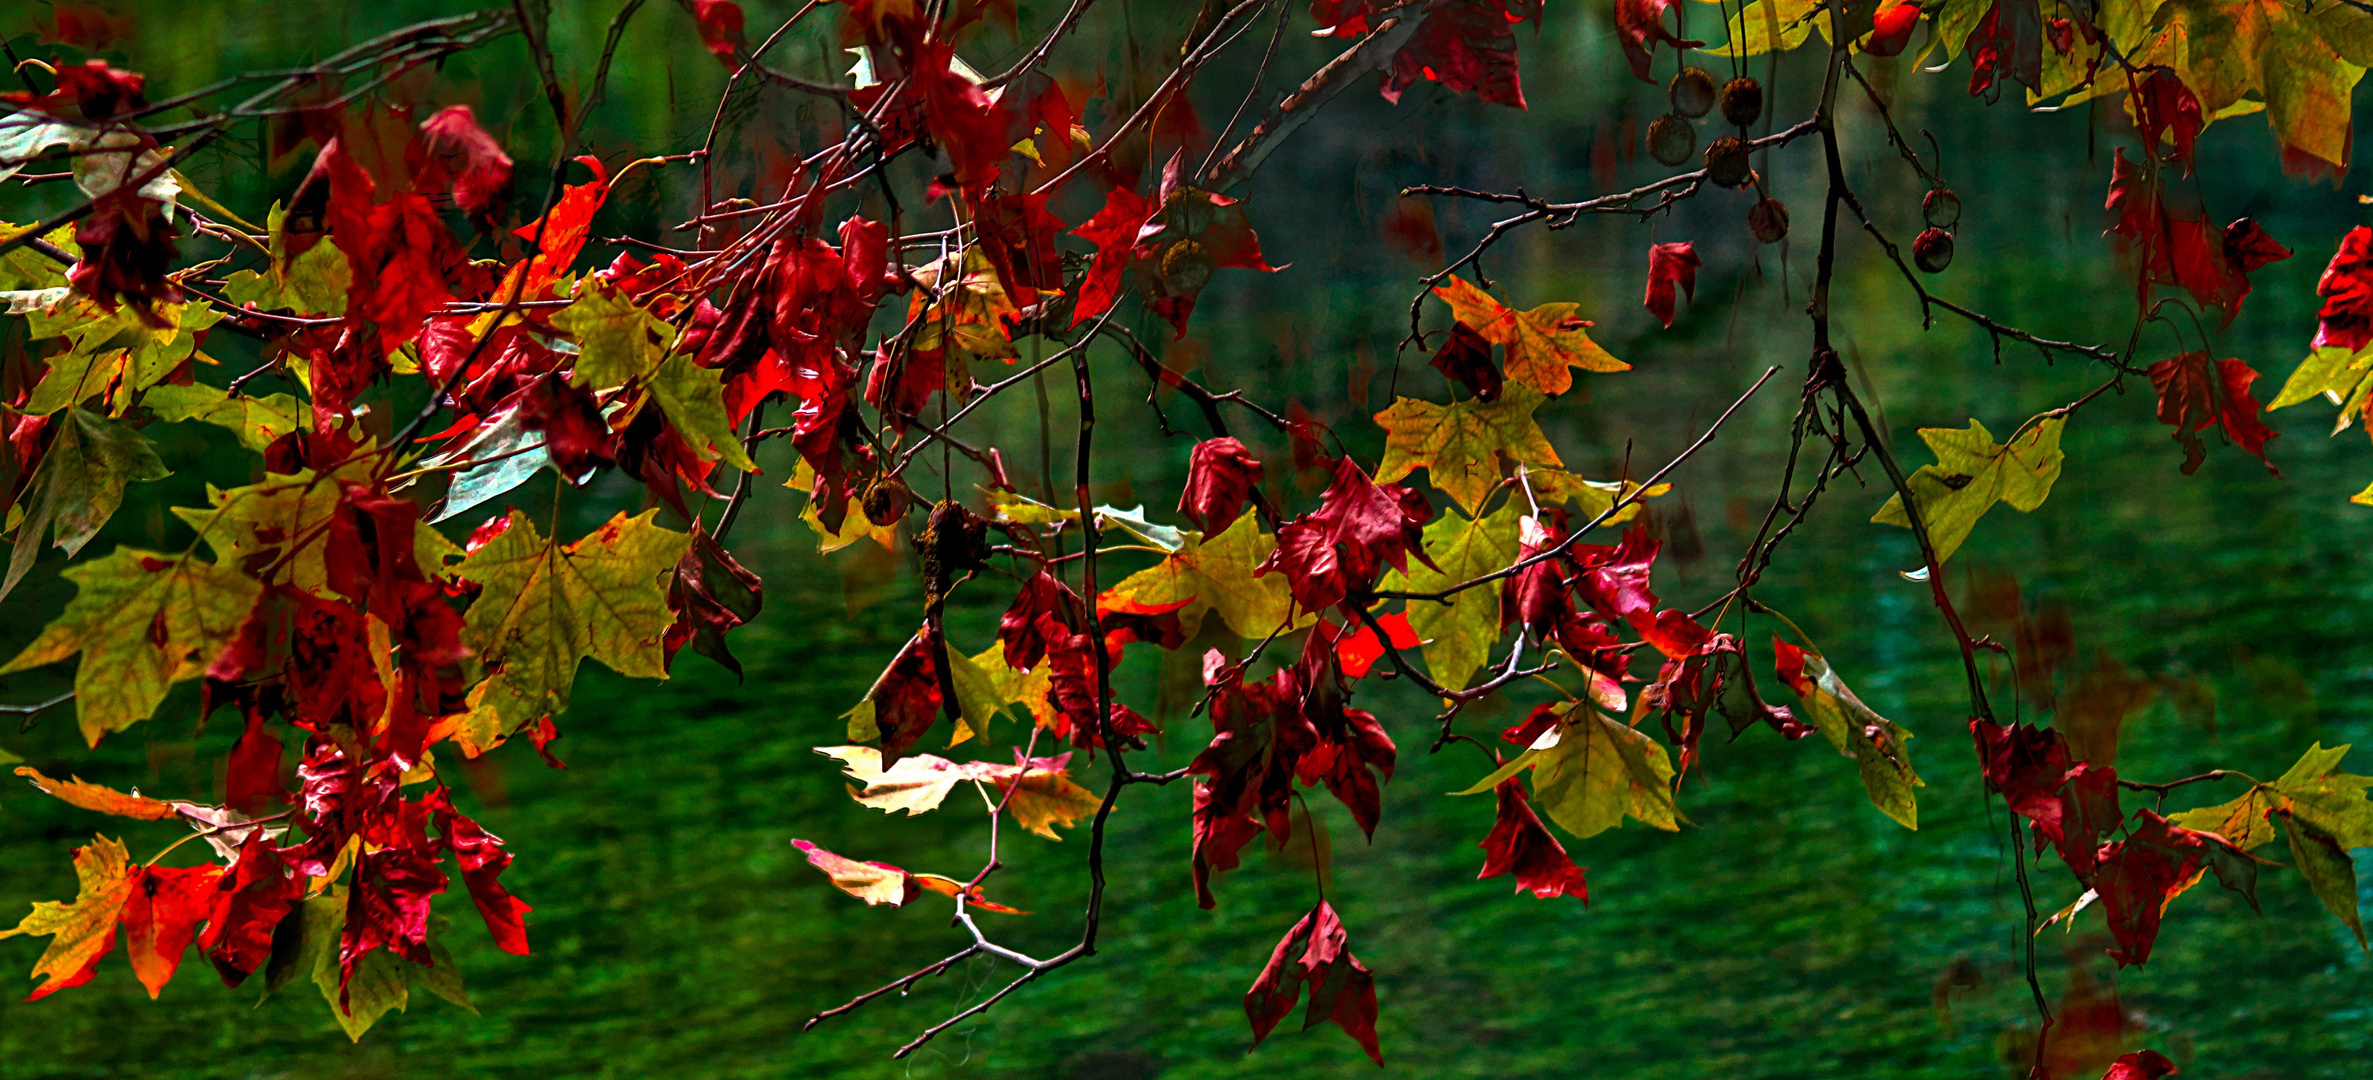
(1542, 343)
(83, 930)
(693, 399)
(1601, 771)
(547, 606)
(617, 342)
(1460, 445)
(1458, 635)
(114, 355)
(1972, 473)
(139, 619)
(1214, 575)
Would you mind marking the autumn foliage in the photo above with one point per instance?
(372, 605)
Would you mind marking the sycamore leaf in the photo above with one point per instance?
(1877, 745)
(1972, 473)
(105, 800)
(547, 606)
(161, 917)
(278, 522)
(382, 981)
(918, 783)
(78, 486)
(881, 883)
(2301, 62)
(1589, 498)
(138, 618)
(84, 929)
(1543, 344)
(1211, 575)
(1458, 635)
(257, 421)
(617, 342)
(1763, 26)
(1460, 444)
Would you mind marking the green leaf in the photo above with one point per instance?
(2324, 862)
(617, 342)
(2331, 803)
(1972, 473)
(1458, 635)
(113, 356)
(313, 283)
(1460, 444)
(142, 622)
(1880, 747)
(1598, 772)
(1214, 575)
(547, 606)
(2332, 372)
(693, 399)
(78, 486)
(257, 421)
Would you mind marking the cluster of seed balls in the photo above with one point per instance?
(1672, 139)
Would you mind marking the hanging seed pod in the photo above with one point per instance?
(886, 500)
(1742, 101)
(1932, 251)
(1942, 208)
(1726, 162)
(1692, 93)
(1671, 140)
(1768, 220)
(1185, 266)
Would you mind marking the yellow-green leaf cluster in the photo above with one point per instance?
(1459, 634)
(1460, 445)
(1972, 473)
(1592, 771)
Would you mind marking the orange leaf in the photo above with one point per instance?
(105, 800)
(1542, 343)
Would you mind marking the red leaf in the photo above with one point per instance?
(1114, 231)
(1468, 46)
(387, 908)
(711, 594)
(560, 234)
(1221, 475)
(2008, 41)
(2346, 320)
(720, 23)
(463, 158)
(249, 902)
(1021, 628)
(2141, 1065)
(398, 252)
(2137, 876)
(1639, 27)
(483, 861)
(1465, 358)
(1518, 843)
(1359, 650)
(2195, 393)
(95, 89)
(2164, 105)
(1670, 265)
(1343, 546)
(162, 916)
(906, 698)
(1017, 235)
(1891, 28)
(1341, 989)
(251, 779)
(127, 249)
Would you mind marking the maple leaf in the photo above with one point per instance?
(2302, 63)
(1215, 575)
(1543, 343)
(546, 606)
(1357, 651)
(250, 902)
(96, 797)
(1519, 844)
(879, 883)
(2138, 876)
(1341, 988)
(483, 861)
(1671, 265)
(1460, 445)
(560, 234)
(1592, 771)
(2325, 814)
(1344, 545)
(82, 931)
(710, 595)
(313, 282)
(257, 420)
(78, 486)
(1221, 475)
(1972, 473)
(1891, 28)
(161, 917)
(2196, 392)
(1458, 634)
(138, 619)
(903, 703)
(1878, 745)
(1114, 230)
(113, 357)
(397, 252)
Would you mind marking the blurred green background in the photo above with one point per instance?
(1790, 931)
